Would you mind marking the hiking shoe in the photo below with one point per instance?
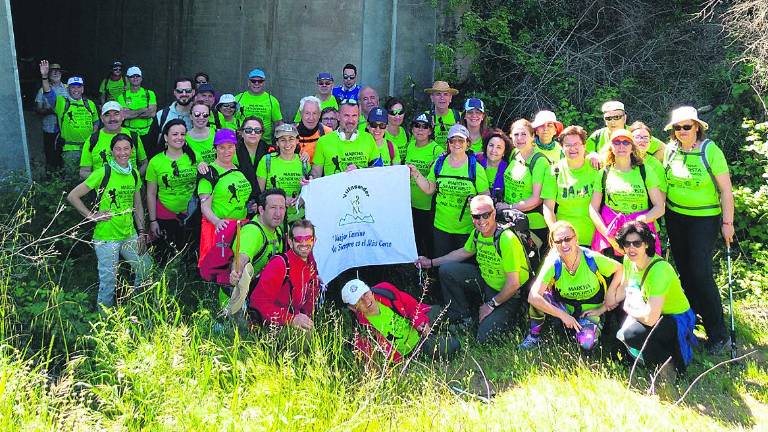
(716, 347)
(663, 382)
(530, 342)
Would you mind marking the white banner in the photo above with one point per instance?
(362, 217)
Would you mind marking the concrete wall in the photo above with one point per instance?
(14, 143)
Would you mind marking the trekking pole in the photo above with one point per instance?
(730, 299)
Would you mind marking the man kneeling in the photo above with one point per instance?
(397, 322)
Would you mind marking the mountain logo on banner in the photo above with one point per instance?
(356, 215)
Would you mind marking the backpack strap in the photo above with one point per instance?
(439, 164)
(472, 169)
(391, 148)
(592, 264)
(93, 140)
(602, 183)
(103, 184)
(648, 270)
(257, 256)
(558, 268)
(643, 176)
(216, 120)
(706, 164)
(87, 105)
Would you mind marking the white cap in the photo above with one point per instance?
(110, 106)
(228, 98)
(353, 290)
(133, 70)
(612, 106)
(76, 80)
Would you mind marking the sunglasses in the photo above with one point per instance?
(683, 127)
(397, 112)
(199, 114)
(563, 240)
(622, 143)
(349, 102)
(186, 91)
(227, 105)
(349, 76)
(613, 118)
(635, 244)
(252, 131)
(135, 76)
(304, 238)
(377, 125)
(483, 216)
(323, 82)
(422, 126)
(256, 80)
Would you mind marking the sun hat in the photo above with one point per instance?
(441, 86)
(543, 117)
(353, 290)
(612, 106)
(227, 98)
(684, 113)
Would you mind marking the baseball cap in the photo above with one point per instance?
(458, 130)
(422, 118)
(75, 80)
(133, 70)
(286, 129)
(353, 290)
(324, 76)
(110, 106)
(202, 88)
(474, 103)
(224, 136)
(621, 133)
(116, 64)
(612, 106)
(257, 73)
(379, 115)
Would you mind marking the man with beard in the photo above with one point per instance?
(96, 150)
(309, 127)
(350, 89)
(180, 108)
(345, 148)
(288, 287)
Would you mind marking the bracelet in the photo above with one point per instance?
(152, 220)
(44, 78)
(430, 263)
(727, 223)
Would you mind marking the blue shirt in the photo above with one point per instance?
(340, 93)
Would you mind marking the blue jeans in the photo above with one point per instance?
(108, 255)
(456, 280)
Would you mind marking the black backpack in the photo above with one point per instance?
(517, 222)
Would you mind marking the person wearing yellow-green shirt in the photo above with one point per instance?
(421, 155)
(226, 111)
(324, 90)
(547, 128)
(369, 99)
(648, 145)
(395, 118)
(200, 137)
(442, 115)
(475, 121)
(139, 104)
(284, 170)
(113, 86)
(258, 102)
(345, 148)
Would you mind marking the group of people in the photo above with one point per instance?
(222, 174)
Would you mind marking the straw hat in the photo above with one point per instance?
(441, 86)
(685, 113)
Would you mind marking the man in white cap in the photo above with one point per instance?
(395, 324)
(78, 117)
(96, 149)
(442, 115)
(139, 104)
(615, 118)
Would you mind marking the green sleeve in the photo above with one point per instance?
(470, 245)
(549, 186)
(651, 178)
(659, 280)
(512, 253)
(261, 169)
(121, 100)
(716, 160)
(319, 157)
(94, 180)
(204, 187)
(654, 145)
(152, 98)
(297, 117)
(152, 172)
(103, 86)
(540, 171)
(606, 266)
(547, 270)
(598, 184)
(431, 174)
(591, 143)
(94, 111)
(59, 107)
(140, 153)
(481, 180)
(86, 158)
(277, 115)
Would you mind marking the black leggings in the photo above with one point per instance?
(661, 345)
(422, 231)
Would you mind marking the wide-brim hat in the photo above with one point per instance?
(227, 98)
(543, 117)
(685, 113)
(441, 86)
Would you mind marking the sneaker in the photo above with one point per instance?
(716, 347)
(530, 342)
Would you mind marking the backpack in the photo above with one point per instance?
(435, 121)
(595, 299)
(534, 159)
(671, 150)
(105, 181)
(642, 176)
(471, 176)
(68, 104)
(268, 163)
(517, 222)
(193, 206)
(94, 140)
(497, 187)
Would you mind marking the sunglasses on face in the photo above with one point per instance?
(184, 91)
(682, 127)
(304, 238)
(349, 102)
(635, 244)
(230, 106)
(421, 126)
(563, 240)
(613, 118)
(252, 131)
(396, 112)
(622, 143)
(483, 216)
(135, 76)
(199, 114)
(256, 80)
(349, 77)
(378, 125)
(324, 82)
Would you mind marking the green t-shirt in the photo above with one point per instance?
(330, 102)
(76, 124)
(598, 140)
(554, 154)
(653, 165)
(422, 158)
(519, 179)
(454, 190)
(490, 173)
(396, 329)
(116, 198)
(386, 158)
(137, 101)
(175, 180)
(654, 145)
(113, 89)
(572, 191)
(233, 124)
(203, 148)
(624, 191)
(477, 146)
(494, 268)
(102, 153)
(690, 190)
(335, 155)
(230, 195)
(662, 281)
(253, 238)
(285, 175)
(581, 285)
(442, 125)
(400, 140)
(264, 106)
